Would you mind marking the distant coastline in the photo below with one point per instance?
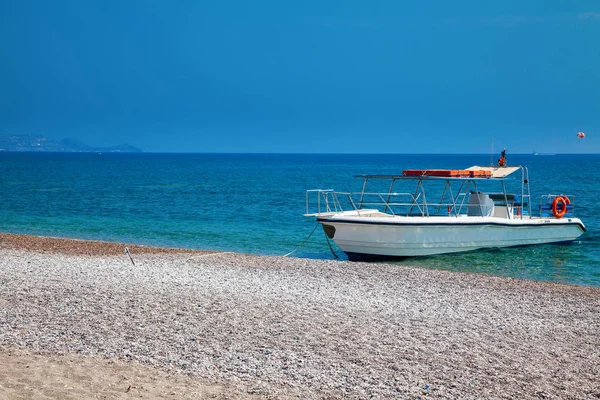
(34, 143)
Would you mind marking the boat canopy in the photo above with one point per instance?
(496, 172)
(474, 172)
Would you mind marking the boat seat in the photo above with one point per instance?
(513, 199)
(500, 196)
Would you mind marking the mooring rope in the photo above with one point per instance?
(305, 240)
(331, 248)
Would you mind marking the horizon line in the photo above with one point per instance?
(283, 153)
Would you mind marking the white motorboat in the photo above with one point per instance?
(476, 209)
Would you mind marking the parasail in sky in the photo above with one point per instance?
(580, 135)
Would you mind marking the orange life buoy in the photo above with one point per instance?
(563, 201)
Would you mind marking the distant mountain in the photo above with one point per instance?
(40, 143)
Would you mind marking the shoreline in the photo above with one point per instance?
(246, 326)
(82, 246)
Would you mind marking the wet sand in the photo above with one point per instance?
(79, 320)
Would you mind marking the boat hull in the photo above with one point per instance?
(416, 236)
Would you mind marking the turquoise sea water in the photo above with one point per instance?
(253, 203)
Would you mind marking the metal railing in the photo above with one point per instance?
(319, 202)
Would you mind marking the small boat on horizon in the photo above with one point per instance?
(476, 208)
(535, 153)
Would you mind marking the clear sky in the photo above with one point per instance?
(348, 76)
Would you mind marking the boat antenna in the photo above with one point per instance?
(492, 154)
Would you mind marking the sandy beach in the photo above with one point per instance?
(78, 320)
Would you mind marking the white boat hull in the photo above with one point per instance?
(399, 236)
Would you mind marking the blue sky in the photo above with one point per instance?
(311, 76)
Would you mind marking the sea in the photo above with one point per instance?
(254, 203)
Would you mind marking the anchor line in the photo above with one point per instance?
(331, 248)
(305, 240)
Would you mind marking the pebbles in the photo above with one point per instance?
(277, 327)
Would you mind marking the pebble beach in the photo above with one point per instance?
(81, 319)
